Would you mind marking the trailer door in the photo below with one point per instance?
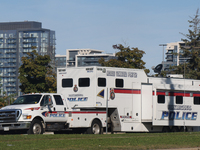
(146, 102)
(136, 101)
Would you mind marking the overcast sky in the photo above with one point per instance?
(99, 24)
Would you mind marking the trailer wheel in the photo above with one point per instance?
(95, 128)
(36, 127)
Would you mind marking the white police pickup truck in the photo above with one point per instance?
(42, 112)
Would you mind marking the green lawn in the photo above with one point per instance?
(95, 142)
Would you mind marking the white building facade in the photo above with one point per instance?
(85, 57)
(173, 55)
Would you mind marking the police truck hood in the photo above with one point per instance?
(23, 106)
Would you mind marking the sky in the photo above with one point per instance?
(99, 24)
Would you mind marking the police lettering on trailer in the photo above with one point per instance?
(80, 99)
(172, 115)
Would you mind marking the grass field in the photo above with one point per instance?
(105, 141)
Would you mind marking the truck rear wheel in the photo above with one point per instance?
(95, 128)
(36, 127)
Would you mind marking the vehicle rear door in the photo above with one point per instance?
(59, 108)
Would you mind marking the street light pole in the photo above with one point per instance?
(163, 45)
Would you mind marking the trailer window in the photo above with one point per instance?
(119, 83)
(179, 99)
(58, 99)
(197, 100)
(102, 82)
(161, 99)
(67, 82)
(84, 82)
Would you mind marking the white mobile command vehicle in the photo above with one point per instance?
(118, 99)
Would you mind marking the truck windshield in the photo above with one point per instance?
(27, 99)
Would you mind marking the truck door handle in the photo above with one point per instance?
(54, 108)
(64, 109)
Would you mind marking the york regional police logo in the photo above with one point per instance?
(75, 88)
(112, 94)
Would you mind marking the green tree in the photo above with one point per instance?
(126, 58)
(36, 74)
(191, 50)
(6, 99)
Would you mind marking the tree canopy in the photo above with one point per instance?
(36, 75)
(6, 99)
(191, 50)
(126, 58)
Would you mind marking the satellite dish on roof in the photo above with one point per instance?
(158, 68)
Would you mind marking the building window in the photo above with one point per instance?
(197, 100)
(58, 99)
(67, 82)
(161, 99)
(84, 82)
(179, 99)
(102, 82)
(72, 55)
(119, 83)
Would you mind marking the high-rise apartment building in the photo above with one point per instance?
(173, 55)
(16, 40)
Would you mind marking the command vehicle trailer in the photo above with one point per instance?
(134, 102)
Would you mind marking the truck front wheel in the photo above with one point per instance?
(95, 128)
(36, 127)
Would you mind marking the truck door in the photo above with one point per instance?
(52, 108)
(59, 108)
(46, 110)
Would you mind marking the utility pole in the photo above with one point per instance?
(163, 45)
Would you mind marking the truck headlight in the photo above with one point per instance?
(27, 116)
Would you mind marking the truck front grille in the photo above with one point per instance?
(9, 115)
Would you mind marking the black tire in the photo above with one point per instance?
(36, 127)
(95, 128)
